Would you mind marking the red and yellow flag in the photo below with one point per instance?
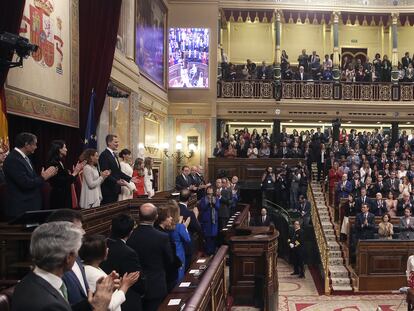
(4, 130)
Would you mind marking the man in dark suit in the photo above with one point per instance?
(225, 196)
(284, 151)
(297, 249)
(184, 181)
(74, 278)
(123, 259)
(404, 203)
(53, 247)
(23, 184)
(378, 207)
(365, 224)
(301, 74)
(154, 251)
(304, 208)
(393, 184)
(406, 60)
(380, 185)
(108, 160)
(194, 227)
(344, 187)
(362, 199)
(263, 220)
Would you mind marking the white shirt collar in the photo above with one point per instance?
(183, 203)
(110, 150)
(21, 153)
(52, 279)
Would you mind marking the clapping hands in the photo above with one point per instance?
(49, 172)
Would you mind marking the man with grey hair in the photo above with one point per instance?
(54, 247)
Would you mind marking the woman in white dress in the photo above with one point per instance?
(91, 194)
(127, 192)
(148, 177)
(93, 252)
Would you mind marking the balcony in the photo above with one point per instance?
(316, 90)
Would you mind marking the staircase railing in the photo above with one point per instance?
(278, 209)
(320, 239)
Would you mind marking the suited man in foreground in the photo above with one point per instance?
(304, 208)
(108, 160)
(407, 225)
(74, 278)
(365, 224)
(297, 249)
(194, 228)
(155, 254)
(301, 74)
(225, 196)
(53, 248)
(362, 199)
(23, 184)
(123, 259)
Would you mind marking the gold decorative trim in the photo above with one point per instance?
(33, 106)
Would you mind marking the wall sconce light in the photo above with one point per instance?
(178, 154)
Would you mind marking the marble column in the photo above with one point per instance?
(277, 42)
(336, 72)
(394, 37)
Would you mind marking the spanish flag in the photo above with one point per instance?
(4, 131)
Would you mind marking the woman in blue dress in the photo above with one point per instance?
(180, 236)
(209, 207)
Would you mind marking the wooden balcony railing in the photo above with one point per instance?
(316, 90)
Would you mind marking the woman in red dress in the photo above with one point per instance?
(139, 174)
(334, 175)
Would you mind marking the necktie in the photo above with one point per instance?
(28, 162)
(64, 291)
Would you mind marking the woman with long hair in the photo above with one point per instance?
(91, 195)
(148, 177)
(138, 173)
(179, 235)
(61, 183)
(385, 227)
(125, 166)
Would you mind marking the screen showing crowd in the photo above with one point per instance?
(188, 57)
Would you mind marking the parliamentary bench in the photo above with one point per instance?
(15, 239)
(203, 287)
(381, 264)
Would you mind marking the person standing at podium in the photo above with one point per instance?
(296, 246)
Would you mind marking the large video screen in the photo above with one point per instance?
(149, 41)
(188, 57)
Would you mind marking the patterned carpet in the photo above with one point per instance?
(301, 295)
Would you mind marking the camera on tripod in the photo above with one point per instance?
(15, 44)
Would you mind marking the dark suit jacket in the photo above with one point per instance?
(392, 186)
(61, 192)
(365, 231)
(306, 208)
(193, 227)
(401, 206)
(225, 203)
(76, 294)
(378, 209)
(359, 201)
(260, 223)
(23, 186)
(123, 259)
(109, 187)
(155, 254)
(35, 294)
(298, 77)
(181, 183)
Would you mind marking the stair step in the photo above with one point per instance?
(344, 288)
(340, 281)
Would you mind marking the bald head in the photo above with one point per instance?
(148, 213)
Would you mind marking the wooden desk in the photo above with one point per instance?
(381, 264)
(15, 239)
(251, 257)
(239, 220)
(207, 292)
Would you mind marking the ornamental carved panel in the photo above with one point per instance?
(227, 89)
(266, 90)
(326, 91)
(246, 89)
(307, 90)
(385, 92)
(288, 90)
(366, 92)
(406, 92)
(347, 91)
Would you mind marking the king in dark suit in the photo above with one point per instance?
(108, 160)
(154, 251)
(23, 184)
